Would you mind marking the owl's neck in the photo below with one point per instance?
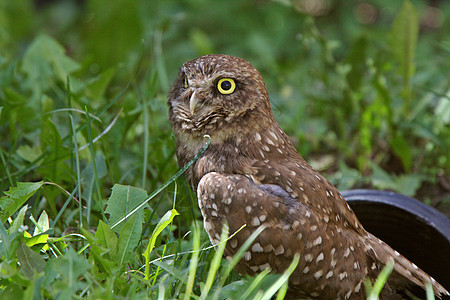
(237, 152)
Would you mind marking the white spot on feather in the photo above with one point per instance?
(320, 257)
(257, 247)
(279, 250)
(318, 274)
(317, 241)
(255, 221)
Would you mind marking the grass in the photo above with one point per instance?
(93, 204)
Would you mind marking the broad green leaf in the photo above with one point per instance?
(163, 222)
(123, 200)
(16, 197)
(128, 239)
(106, 238)
(45, 62)
(18, 221)
(70, 266)
(30, 261)
(101, 254)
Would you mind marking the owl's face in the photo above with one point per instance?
(212, 92)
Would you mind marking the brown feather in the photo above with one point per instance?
(252, 174)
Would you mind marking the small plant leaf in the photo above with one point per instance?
(163, 223)
(128, 239)
(37, 239)
(44, 59)
(123, 200)
(16, 197)
(43, 224)
(106, 238)
(30, 261)
(18, 221)
(70, 266)
(101, 254)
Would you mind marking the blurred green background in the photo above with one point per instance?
(365, 101)
(361, 87)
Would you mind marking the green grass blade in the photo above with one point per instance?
(283, 279)
(193, 265)
(77, 165)
(163, 223)
(215, 262)
(430, 292)
(91, 148)
(255, 283)
(374, 292)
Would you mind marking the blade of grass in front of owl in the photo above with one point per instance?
(168, 182)
(374, 291)
(215, 262)
(237, 257)
(282, 280)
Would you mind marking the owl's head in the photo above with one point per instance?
(216, 95)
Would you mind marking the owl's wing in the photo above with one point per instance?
(291, 227)
(309, 187)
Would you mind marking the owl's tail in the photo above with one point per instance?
(403, 268)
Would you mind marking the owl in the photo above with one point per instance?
(252, 175)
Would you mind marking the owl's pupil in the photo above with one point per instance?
(225, 85)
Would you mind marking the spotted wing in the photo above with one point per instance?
(292, 227)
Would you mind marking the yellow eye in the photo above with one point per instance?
(226, 86)
(186, 83)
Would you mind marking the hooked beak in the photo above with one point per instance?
(193, 102)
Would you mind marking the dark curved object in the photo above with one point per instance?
(416, 230)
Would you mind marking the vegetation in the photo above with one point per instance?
(362, 89)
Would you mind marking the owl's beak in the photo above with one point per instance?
(193, 102)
